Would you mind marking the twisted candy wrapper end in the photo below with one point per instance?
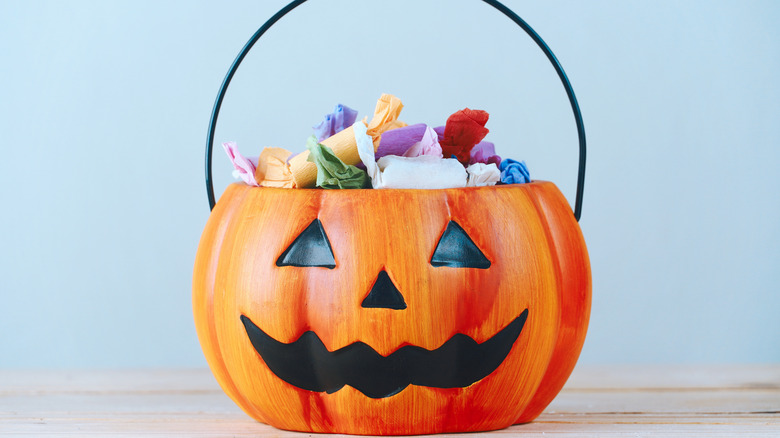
(365, 148)
(464, 129)
(484, 152)
(428, 145)
(514, 172)
(244, 167)
(341, 118)
(386, 113)
(272, 169)
(481, 174)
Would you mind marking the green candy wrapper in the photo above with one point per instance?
(332, 173)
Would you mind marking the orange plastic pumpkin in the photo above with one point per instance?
(392, 335)
(392, 311)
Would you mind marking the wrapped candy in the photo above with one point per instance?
(484, 152)
(332, 173)
(428, 145)
(388, 108)
(423, 172)
(272, 169)
(398, 141)
(393, 154)
(514, 172)
(464, 129)
(481, 174)
(386, 113)
(394, 172)
(244, 167)
(341, 118)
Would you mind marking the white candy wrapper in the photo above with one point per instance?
(423, 172)
(481, 174)
(365, 149)
(394, 172)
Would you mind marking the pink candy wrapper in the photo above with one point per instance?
(245, 168)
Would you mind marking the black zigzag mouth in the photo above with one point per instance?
(458, 363)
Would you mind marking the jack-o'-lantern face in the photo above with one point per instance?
(307, 364)
(351, 310)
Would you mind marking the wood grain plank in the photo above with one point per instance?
(675, 377)
(99, 426)
(598, 401)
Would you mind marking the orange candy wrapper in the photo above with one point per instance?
(272, 169)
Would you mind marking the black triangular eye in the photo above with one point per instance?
(310, 248)
(456, 250)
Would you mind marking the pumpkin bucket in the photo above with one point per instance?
(392, 311)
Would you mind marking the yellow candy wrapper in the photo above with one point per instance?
(272, 169)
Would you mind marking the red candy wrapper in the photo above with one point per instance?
(463, 131)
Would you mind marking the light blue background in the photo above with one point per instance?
(104, 108)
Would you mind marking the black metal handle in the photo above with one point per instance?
(506, 11)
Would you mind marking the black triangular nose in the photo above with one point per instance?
(384, 294)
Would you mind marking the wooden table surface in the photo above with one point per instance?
(610, 401)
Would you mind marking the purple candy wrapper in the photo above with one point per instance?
(341, 118)
(397, 141)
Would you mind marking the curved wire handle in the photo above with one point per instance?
(506, 11)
